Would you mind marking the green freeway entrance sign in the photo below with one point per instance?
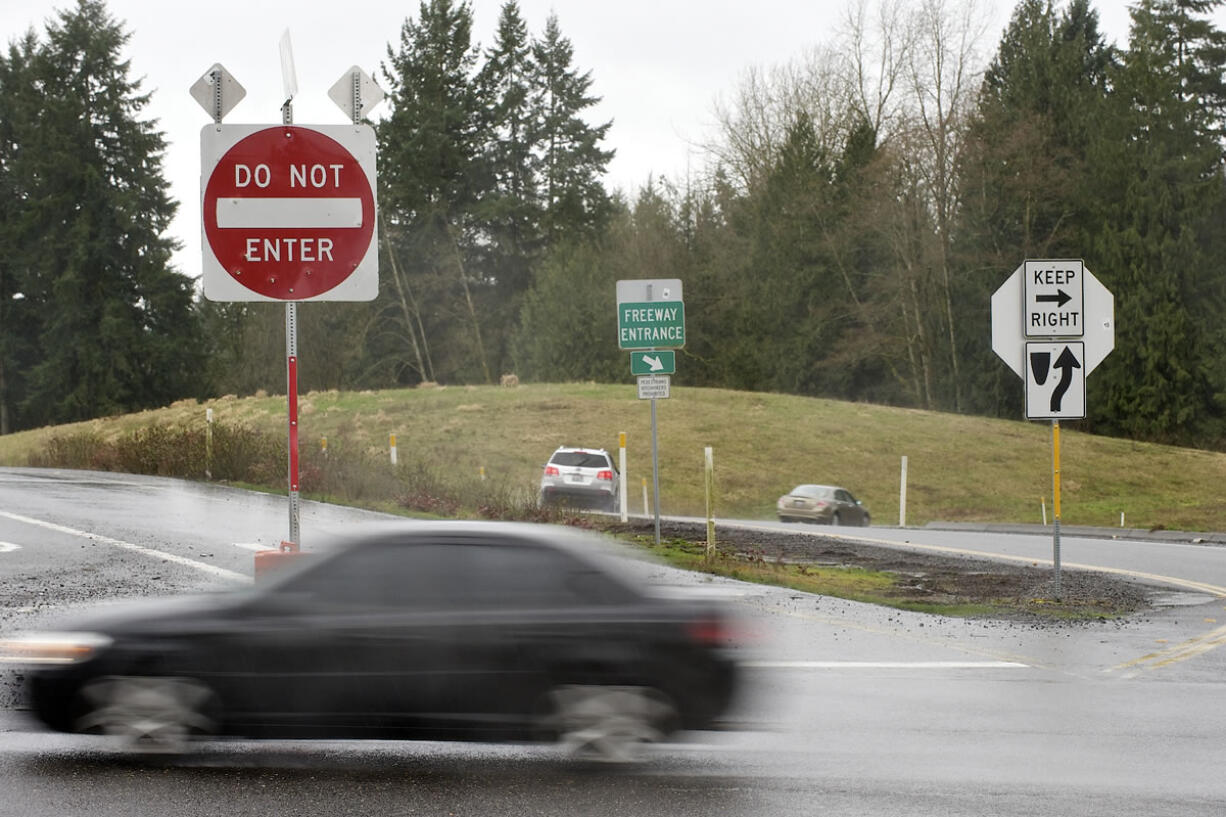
(662, 362)
(650, 314)
(651, 324)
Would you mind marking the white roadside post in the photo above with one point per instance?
(902, 494)
(391, 446)
(621, 483)
(709, 467)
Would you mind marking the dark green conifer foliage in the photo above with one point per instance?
(106, 324)
(1159, 185)
(571, 161)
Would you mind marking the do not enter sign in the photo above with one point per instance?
(289, 213)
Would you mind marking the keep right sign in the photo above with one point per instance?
(1054, 299)
(1053, 322)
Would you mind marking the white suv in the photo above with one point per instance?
(581, 477)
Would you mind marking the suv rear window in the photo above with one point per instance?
(581, 459)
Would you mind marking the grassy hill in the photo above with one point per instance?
(960, 468)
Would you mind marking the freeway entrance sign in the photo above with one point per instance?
(651, 324)
(662, 362)
(650, 314)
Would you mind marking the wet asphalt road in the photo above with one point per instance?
(854, 709)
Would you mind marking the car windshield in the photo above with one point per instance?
(580, 459)
(812, 491)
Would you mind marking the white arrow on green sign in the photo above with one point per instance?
(657, 362)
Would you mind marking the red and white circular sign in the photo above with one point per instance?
(289, 214)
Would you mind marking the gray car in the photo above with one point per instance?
(826, 504)
(581, 478)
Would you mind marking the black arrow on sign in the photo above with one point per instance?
(1065, 363)
(1059, 299)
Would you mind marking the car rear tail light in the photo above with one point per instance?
(606, 475)
(710, 631)
(551, 471)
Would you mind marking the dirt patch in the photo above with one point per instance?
(1012, 591)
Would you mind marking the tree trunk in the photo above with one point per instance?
(408, 307)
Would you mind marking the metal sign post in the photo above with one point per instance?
(650, 320)
(289, 82)
(1055, 490)
(260, 187)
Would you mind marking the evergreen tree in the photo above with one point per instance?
(432, 178)
(18, 115)
(571, 161)
(1025, 181)
(110, 326)
(512, 208)
(509, 213)
(1159, 181)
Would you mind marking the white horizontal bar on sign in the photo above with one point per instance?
(276, 213)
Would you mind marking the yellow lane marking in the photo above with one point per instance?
(1198, 645)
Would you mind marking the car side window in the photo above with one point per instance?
(384, 575)
(519, 576)
(454, 576)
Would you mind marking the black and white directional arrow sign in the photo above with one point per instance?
(1055, 381)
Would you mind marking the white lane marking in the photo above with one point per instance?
(141, 549)
(8, 547)
(255, 546)
(885, 665)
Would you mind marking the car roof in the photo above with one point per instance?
(564, 448)
(633, 567)
(584, 544)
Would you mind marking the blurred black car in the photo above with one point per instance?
(470, 631)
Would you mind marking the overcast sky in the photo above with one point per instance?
(659, 65)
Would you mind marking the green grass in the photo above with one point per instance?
(960, 468)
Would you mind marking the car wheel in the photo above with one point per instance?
(836, 520)
(610, 724)
(783, 518)
(151, 714)
(867, 520)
